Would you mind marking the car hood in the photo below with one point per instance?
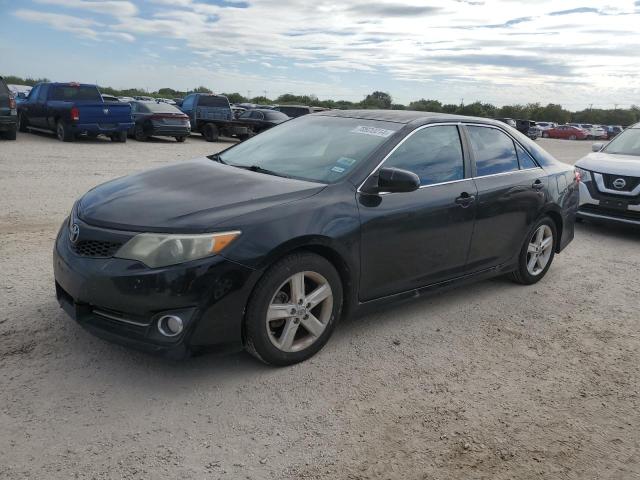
(602, 162)
(188, 197)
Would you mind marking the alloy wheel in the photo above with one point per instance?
(299, 311)
(539, 250)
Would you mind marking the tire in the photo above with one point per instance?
(63, 132)
(309, 327)
(525, 274)
(138, 133)
(119, 137)
(210, 132)
(23, 123)
(11, 134)
(180, 139)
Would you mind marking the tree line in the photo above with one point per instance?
(382, 100)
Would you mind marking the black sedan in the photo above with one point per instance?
(267, 245)
(158, 119)
(259, 119)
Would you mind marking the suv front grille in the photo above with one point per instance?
(630, 182)
(95, 248)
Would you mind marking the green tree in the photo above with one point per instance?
(423, 105)
(235, 97)
(377, 100)
(202, 89)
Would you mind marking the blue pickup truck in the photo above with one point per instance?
(73, 109)
(211, 116)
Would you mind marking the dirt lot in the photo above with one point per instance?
(493, 381)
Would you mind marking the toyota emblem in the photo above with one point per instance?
(619, 183)
(74, 233)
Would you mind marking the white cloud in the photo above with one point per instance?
(114, 8)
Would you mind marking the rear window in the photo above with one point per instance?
(159, 108)
(70, 93)
(213, 101)
(293, 111)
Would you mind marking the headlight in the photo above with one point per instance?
(159, 250)
(585, 175)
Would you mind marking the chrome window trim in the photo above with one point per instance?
(600, 183)
(456, 124)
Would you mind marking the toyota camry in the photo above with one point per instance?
(267, 245)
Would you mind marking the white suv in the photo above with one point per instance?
(610, 179)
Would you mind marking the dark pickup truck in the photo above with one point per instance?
(211, 116)
(73, 109)
(7, 112)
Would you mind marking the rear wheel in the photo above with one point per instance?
(11, 134)
(293, 309)
(120, 137)
(23, 124)
(537, 253)
(139, 134)
(63, 132)
(210, 132)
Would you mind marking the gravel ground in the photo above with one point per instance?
(493, 381)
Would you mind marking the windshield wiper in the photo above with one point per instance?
(257, 168)
(217, 158)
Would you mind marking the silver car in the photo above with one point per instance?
(610, 179)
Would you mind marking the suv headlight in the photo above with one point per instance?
(160, 250)
(585, 175)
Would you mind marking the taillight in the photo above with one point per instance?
(75, 114)
(12, 102)
(577, 175)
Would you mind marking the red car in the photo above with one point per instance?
(565, 131)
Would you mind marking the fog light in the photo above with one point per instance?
(170, 325)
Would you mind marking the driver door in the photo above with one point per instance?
(411, 240)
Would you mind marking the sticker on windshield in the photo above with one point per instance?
(378, 132)
(345, 161)
(337, 169)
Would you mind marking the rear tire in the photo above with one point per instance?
(210, 132)
(293, 309)
(119, 137)
(23, 124)
(11, 134)
(63, 132)
(537, 253)
(139, 135)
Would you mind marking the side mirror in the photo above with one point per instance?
(596, 147)
(396, 180)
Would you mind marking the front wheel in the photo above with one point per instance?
(293, 309)
(210, 132)
(537, 253)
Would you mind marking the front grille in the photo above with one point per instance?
(95, 248)
(611, 212)
(631, 182)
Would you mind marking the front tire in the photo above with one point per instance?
(293, 309)
(537, 253)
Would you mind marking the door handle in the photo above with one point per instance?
(465, 199)
(537, 185)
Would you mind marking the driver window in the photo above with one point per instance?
(433, 153)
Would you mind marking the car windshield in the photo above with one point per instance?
(75, 93)
(315, 148)
(626, 143)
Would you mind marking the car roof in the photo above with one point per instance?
(406, 116)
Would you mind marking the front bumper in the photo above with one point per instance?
(610, 208)
(121, 300)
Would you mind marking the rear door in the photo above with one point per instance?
(511, 194)
(410, 240)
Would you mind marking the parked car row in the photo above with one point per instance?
(71, 110)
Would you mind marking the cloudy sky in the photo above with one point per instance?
(574, 52)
